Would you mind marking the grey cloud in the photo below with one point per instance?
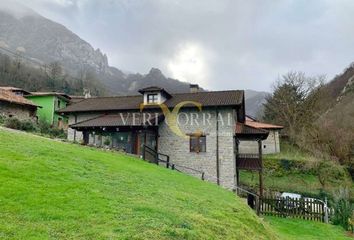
(245, 44)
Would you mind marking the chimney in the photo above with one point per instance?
(87, 93)
(193, 88)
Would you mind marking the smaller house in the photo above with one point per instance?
(269, 145)
(50, 103)
(15, 105)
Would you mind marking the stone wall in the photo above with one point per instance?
(178, 147)
(21, 112)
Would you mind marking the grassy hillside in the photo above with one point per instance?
(63, 191)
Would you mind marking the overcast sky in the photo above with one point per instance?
(217, 44)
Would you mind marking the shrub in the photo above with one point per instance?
(331, 172)
(28, 126)
(2, 119)
(343, 209)
(13, 123)
(56, 132)
(44, 127)
(107, 142)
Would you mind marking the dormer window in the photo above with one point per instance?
(154, 95)
(152, 98)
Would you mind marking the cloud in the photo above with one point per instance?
(15, 8)
(189, 64)
(220, 44)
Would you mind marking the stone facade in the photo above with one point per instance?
(178, 147)
(22, 112)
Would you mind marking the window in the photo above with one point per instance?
(197, 143)
(152, 98)
(58, 104)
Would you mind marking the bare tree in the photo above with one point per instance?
(294, 102)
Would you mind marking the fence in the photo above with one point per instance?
(304, 208)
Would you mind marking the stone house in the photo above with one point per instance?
(48, 103)
(270, 145)
(197, 130)
(15, 105)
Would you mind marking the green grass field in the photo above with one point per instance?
(296, 229)
(54, 190)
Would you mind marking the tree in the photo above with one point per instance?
(294, 102)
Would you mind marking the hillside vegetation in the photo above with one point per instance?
(59, 190)
(294, 170)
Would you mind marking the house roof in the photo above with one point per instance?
(260, 125)
(120, 120)
(242, 130)
(151, 89)
(8, 96)
(14, 89)
(76, 99)
(207, 99)
(61, 95)
(155, 89)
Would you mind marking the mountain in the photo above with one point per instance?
(338, 100)
(254, 102)
(44, 41)
(41, 41)
(336, 123)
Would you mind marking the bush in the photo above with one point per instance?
(28, 126)
(331, 172)
(343, 209)
(42, 127)
(107, 142)
(2, 119)
(58, 133)
(13, 123)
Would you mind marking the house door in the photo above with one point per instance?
(60, 123)
(147, 138)
(86, 137)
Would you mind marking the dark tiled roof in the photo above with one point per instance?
(11, 97)
(63, 95)
(155, 89)
(120, 120)
(243, 130)
(152, 88)
(207, 99)
(76, 99)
